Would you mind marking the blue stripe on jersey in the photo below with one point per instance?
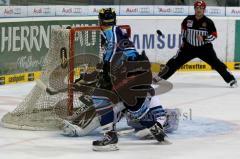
(114, 36)
(131, 54)
(111, 42)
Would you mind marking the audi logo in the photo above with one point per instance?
(214, 11)
(144, 10)
(178, 10)
(46, 10)
(77, 10)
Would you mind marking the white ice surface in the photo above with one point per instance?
(211, 130)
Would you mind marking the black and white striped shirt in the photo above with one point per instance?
(191, 28)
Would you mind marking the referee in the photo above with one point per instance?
(198, 32)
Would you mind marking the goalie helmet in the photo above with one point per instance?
(200, 4)
(107, 17)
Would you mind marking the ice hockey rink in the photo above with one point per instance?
(209, 126)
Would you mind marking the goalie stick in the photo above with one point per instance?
(87, 90)
(53, 92)
(160, 87)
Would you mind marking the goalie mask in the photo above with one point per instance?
(107, 17)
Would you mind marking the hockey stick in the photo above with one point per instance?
(53, 92)
(88, 90)
(50, 91)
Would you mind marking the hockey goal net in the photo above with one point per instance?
(71, 51)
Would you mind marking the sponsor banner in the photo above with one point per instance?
(233, 11)
(130, 10)
(136, 10)
(162, 48)
(93, 10)
(155, 67)
(13, 11)
(69, 10)
(24, 44)
(4, 2)
(170, 10)
(41, 11)
(19, 78)
(202, 66)
(195, 66)
(210, 11)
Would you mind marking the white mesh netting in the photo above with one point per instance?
(39, 110)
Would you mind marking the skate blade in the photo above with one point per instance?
(111, 147)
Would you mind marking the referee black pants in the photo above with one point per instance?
(206, 53)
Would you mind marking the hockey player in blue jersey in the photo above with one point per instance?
(112, 39)
(118, 51)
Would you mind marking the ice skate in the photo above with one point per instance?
(157, 132)
(233, 84)
(108, 143)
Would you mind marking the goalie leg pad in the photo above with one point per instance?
(148, 116)
(108, 113)
(71, 130)
(141, 112)
(104, 109)
(154, 114)
(172, 120)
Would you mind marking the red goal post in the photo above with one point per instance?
(72, 54)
